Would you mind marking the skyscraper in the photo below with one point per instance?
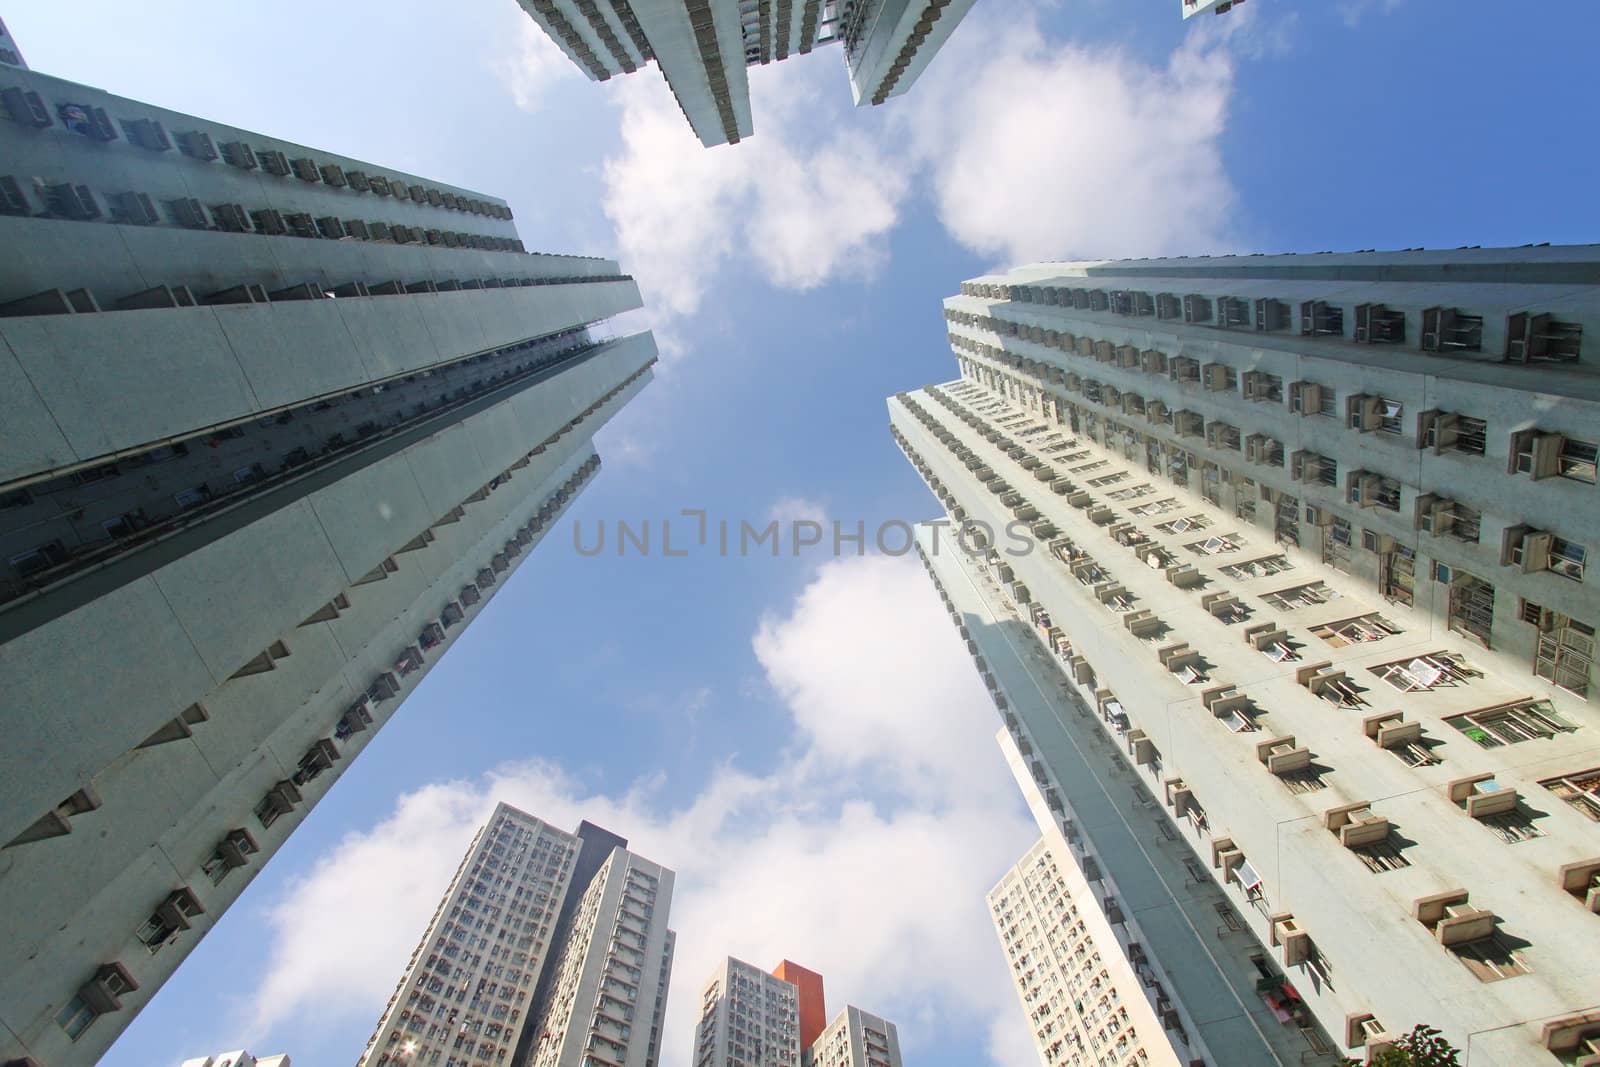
(1086, 999)
(748, 1018)
(277, 425)
(1192, 8)
(813, 1004)
(704, 47)
(855, 1038)
(238, 1058)
(1276, 568)
(500, 974)
(612, 973)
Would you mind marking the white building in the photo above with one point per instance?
(612, 972)
(1192, 8)
(748, 1018)
(1087, 998)
(278, 423)
(856, 1038)
(1301, 541)
(704, 47)
(239, 1058)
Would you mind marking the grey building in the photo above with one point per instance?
(10, 53)
(705, 47)
(275, 425)
(536, 957)
(1276, 567)
(612, 973)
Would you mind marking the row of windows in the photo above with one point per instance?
(1531, 337)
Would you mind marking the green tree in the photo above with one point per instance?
(1422, 1047)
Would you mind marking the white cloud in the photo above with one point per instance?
(1043, 150)
(806, 199)
(531, 64)
(1353, 11)
(866, 855)
(1033, 149)
(790, 509)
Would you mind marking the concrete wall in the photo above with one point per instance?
(1384, 960)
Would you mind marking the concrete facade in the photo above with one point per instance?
(10, 52)
(270, 442)
(1293, 610)
(856, 1038)
(748, 1018)
(238, 1058)
(612, 973)
(705, 47)
(468, 990)
(1086, 1000)
(1192, 8)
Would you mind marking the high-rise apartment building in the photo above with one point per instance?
(277, 425)
(1192, 8)
(498, 977)
(238, 1058)
(10, 54)
(748, 1018)
(613, 971)
(855, 1038)
(813, 1001)
(1087, 999)
(705, 47)
(1276, 567)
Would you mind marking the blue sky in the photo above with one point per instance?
(801, 738)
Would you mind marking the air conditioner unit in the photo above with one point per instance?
(135, 208)
(1307, 398)
(104, 991)
(147, 134)
(180, 906)
(232, 217)
(27, 108)
(269, 221)
(238, 154)
(273, 162)
(306, 170)
(72, 201)
(333, 175)
(190, 213)
(197, 145)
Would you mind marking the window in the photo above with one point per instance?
(1321, 319)
(1539, 338)
(1448, 330)
(1372, 490)
(1548, 455)
(1309, 398)
(1491, 959)
(1377, 324)
(1539, 550)
(1447, 431)
(1511, 724)
(1565, 648)
(1580, 789)
(1259, 385)
(75, 1017)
